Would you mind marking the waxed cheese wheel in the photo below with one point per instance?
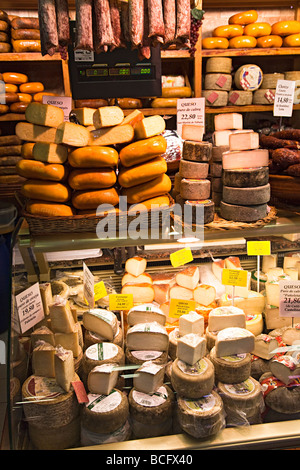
(92, 178)
(91, 199)
(14, 77)
(40, 170)
(31, 87)
(142, 173)
(143, 150)
(156, 187)
(93, 157)
(45, 191)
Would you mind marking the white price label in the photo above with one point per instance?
(83, 56)
(284, 98)
(30, 307)
(190, 111)
(62, 102)
(289, 298)
(88, 286)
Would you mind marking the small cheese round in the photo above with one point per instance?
(151, 408)
(246, 177)
(191, 169)
(239, 213)
(231, 369)
(195, 189)
(192, 381)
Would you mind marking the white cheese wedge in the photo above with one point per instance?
(43, 359)
(220, 138)
(286, 368)
(69, 133)
(265, 346)
(253, 304)
(145, 313)
(268, 262)
(188, 277)
(135, 265)
(204, 294)
(234, 341)
(44, 114)
(103, 379)
(149, 127)
(244, 141)
(149, 336)
(274, 273)
(107, 116)
(161, 293)
(273, 319)
(84, 116)
(101, 321)
(183, 293)
(191, 322)
(191, 348)
(64, 368)
(233, 262)
(226, 317)
(293, 273)
(149, 377)
(290, 260)
(228, 121)
(217, 268)
(62, 320)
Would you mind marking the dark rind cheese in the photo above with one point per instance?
(196, 170)
(147, 412)
(246, 178)
(194, 215)
(139, 357)
(195, 189)
(216, 185)
(216, 169)
(247, 196)
(193, 381)
(239, 213)
(231, 369)
(196, 151)
(217, 152)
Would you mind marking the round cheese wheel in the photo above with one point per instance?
(286, 28)
(192, 381)
(241, 42)
(25, 97)
(89, 438)
(18, 107)
(101, 353)
(215, 97)
(254, 323)
(91, 338)
(40, 171)
(93, 157)
(151, 408)
(257, 29)
(196, 151)
(197, 212)
(215, 43)
(50, 209)
(231, 369)
(4, 108)
(142, 173)
(292, 75)
(259, 367)
(10, 97)
(91, 199)
(14, 77)
(156, 187)
(27, 150)
(279, 397)
(247, 196)
(31, 87)
(173, 339)
(228, 31)
(105, 413)
(195, 170)
(264, 96)
(218, 65)
(143, 150)
(201, 417)
(45, 191)
(239, 213)
(292, 40)
(92, 179)
(139, 357)
(243, 18)
(270, 80)
(248, 77)
(272, 40)
(164, 103)
(246, 177)
(217, 81)
(240, 97)
(11, 87)
(195, 189)
(38, 97)
(176, 92)
(63, 437)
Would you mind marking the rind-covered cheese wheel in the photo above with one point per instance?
(257, 29)
(142, 173)
(192, 381)
(14, 77)
(49, 209)
(240, 42)
(93, 157)
(218, 65)
(286, 28)
(45, 191)
(217, 81)
(157, 187)
(92, 178)
(215, 97)
(143, 150)
(91, 199)
(248, 77)
(228, 31)
(264, 96)
(240, 97)
(215, 43)
(231, 369)
(244, 18)
(40, 170)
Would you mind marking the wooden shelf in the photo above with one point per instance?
(256, 51)
(252, 108)
(176, 54)
(27, 56)
(12, 117)
(153, 111)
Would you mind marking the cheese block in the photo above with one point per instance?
(72, 134)
(133, 117)
(101, 353)
(147, 336)
(156, 187)
(191, 323)
(188, 277)
(217, 267)
(265, 346)
(42, 333)
(179, 292)
(122, 134)
(192, 132)
(239, 213)
(44, 114)
(105, 413)
(291, 335)
(93, 157)
(103, 379)
(64, 368)
(149, 377)
(273, 291)
(204, 294)
(247, 196)
(135, 265)
(62, 320)
(192, 381)
(107, 116)
(49, 152)
(240, 97)
(252, 304)
(286, 368)
(226, 317)
(220, 138)
(149, 127)
(142, 173)
(218, 64)
(234, 340)
(84, 116)
(191, 348)
(102, 322)
(246, 177)
(43, 359)
(217, 81)
(195, 189)
(215, 98)
(35, 133)
(145, 313)
(233, 262)
(245, 159)
(196, 151)
(195, 170)
(243, 402)
(141, 293)
(228, 121)
(69, 341)
(203, 417)
(248, 77)
(243, 141)
(231, 369)
(140, 279)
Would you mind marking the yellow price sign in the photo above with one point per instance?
(99, 291)
(180, 307)
(181, 257)
(235, 277)
(120, 301)
(257, 248)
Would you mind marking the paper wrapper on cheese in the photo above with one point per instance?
(192, 381)
(147, 336)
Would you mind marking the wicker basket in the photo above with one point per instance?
(86, 223)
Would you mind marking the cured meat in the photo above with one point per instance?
(145, 47)
(84, 25)
(290, 134)
(104, 36)
(293, 170)
(125, 20)
(156, 19)
(285, 157)
(116, 23)
(183, 20)
(169, 20)
(271, 142)
(136, 21)
(48, 27)
(63, 25)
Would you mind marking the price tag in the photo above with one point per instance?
(284, 98)
(88, 286)
(62, 102)
(120, 301)
(190, 111)
(234, 277)
(80, 392)
(257, 248)
(99, 291)
(30, 307)
(181, 257)
(289, 298)
(180, 307)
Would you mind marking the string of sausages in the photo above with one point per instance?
(284, 151)
(103, 25)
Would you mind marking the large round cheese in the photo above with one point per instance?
(215, 97)
(239, 213)
(246, 177)
(231, 369)
(192, 381)
(218, 81)
(240, 97)
(139, 357)
(101, 353)
(218, 65)
(248, 77)
(66, 436)
(89, 438)
(247, 196)
(278, 396)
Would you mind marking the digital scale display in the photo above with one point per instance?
(118, 72)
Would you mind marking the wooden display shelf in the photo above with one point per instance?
(153, 111)
(27, 56)
(255, 51)
(12, 117)
(252, 108)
